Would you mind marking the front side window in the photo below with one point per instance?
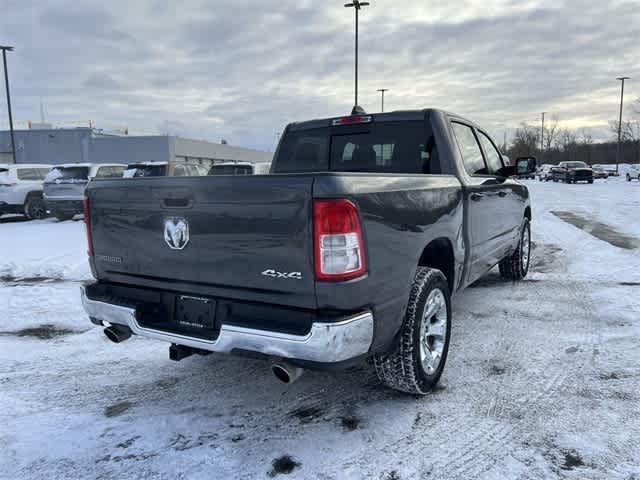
(469, 149)
(494, 160)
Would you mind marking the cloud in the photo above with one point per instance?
(242, 70)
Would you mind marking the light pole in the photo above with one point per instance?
(357, 5)
(622, 79)
(382, 90)
(6, 49)
(542, 137)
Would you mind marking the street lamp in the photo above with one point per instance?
(622, 79)
(357, 5)
(382, 90)
(542, 137)
(6, 49)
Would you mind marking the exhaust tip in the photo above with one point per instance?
(117, 334)
(281, 373)
(286, 373)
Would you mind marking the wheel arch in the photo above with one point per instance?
(439, 254)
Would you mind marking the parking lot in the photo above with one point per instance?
(542, 381)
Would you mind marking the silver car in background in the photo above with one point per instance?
(64, 186)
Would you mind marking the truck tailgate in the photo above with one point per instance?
(249, 237)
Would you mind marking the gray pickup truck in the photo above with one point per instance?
(348, 250)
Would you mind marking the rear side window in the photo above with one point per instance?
(469, 149)
(32, 173)
(494, 160)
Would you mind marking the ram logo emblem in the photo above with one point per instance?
(176, 233)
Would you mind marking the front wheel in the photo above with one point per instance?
(416, 362)
(516, 265)
(628, 177)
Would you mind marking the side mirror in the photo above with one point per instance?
(525, 165)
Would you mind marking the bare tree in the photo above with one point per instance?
(525, 141)
(551, 131)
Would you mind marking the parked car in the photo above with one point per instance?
(64, 186)
(239, 168)
(572, 172)
(349, 249)
(633, 173)
(599, 172)
(544, 172)
(21, 189)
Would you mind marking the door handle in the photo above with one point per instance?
(502, 193)
(177, 202)
(476, 197)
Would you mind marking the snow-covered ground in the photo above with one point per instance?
(543, 377)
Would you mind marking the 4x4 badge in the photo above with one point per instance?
(270, 272)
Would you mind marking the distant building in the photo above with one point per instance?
(75, 145)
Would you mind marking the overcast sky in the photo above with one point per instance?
(241, 70)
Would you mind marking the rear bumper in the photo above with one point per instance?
(64, 205)
(330, 342)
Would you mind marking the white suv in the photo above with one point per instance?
(633, 172)
(21, 189)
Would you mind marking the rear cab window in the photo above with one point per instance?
(384, 147)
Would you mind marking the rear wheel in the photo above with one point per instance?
(628, 177)
(416, 362)
(35, 208)
(516, 265)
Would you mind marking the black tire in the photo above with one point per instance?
(591, 181)
(402, 368)
(35, 208)
(516, 265)
(628, 178)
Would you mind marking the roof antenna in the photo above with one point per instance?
(358, 110)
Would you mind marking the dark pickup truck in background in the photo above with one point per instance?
(572, 172)
(350, 249)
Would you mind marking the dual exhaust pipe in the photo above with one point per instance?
(117, 333)
(282, 370)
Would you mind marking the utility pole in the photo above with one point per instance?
(622, 79)
(382, 90)
(6, 49)
(357, 5)
(542, 138)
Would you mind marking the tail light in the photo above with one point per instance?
(338, 244)
(87, 223)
